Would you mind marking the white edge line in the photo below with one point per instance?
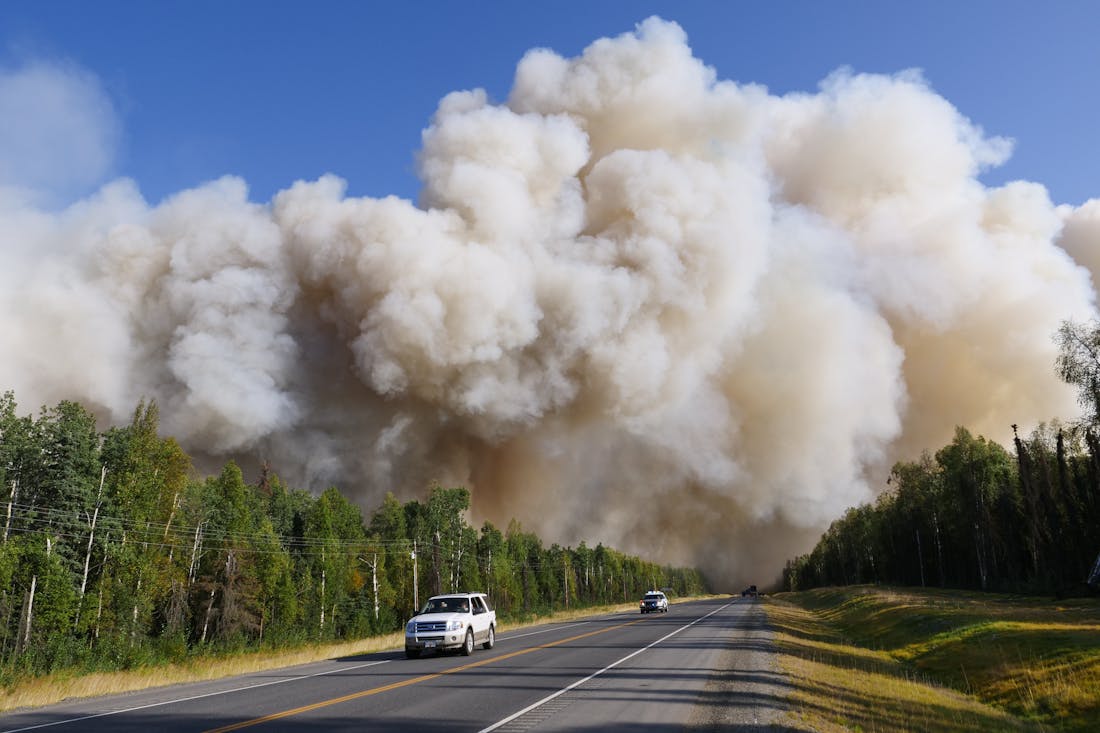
(194, 697)
(578, 683)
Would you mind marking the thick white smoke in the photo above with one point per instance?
(635, 304)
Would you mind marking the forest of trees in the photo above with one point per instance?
(114, 553)
(976, 516)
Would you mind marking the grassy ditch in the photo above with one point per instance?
(871, 658)
(52, 688)
(64, 684)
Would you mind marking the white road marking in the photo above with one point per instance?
(509, 637)
(194, 697)
(609, 617)
(614, 664)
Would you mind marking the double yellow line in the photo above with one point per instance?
(406, 683)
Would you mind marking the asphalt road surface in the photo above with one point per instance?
(704, 665)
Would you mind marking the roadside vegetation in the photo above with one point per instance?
(975, 516)
(940, 650)
(115, 555)
(893, 659)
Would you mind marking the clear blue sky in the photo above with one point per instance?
(277, 91)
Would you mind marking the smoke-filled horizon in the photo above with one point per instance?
(635, 303)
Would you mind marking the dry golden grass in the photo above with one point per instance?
(840, 686)
(54, 688)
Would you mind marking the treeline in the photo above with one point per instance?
(113, 553)
(974, 515)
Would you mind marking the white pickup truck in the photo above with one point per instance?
(452, 621)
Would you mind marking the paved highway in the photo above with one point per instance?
(705, 664)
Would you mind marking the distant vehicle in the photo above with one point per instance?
(654, 600)
(452, 621)
(749, 592)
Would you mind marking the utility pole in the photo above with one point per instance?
(565, 579)
(416, 590)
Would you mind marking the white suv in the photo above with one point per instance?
(452, 621)
(654, 600)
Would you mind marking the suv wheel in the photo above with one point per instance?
(468, 645)
(490, 639)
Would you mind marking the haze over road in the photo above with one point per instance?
(704, 664)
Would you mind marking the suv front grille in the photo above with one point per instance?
(426, 626)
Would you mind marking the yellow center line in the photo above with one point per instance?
(406, 683)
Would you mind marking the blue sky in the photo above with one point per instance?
(278, 91)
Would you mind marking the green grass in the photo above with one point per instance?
(1036, 659)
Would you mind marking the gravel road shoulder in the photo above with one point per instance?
(748, 691)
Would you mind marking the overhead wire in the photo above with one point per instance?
(33, 519)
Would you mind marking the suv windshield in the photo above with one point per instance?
(652, 597)
(447, 605)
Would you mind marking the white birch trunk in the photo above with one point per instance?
(91, 540)
(374, 583)
(194, 554)
(134, 617)
(99, 606)
(30, 601)
(26, 642)
(565, 582)
(171, 514)
(206, 618)
(168, 524)
(11, 503)
(14, 495)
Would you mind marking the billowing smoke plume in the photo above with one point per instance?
(635, 304)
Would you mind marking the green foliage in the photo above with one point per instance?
(1079, 364)
(978, 517)
(974, 517)
(131, 559)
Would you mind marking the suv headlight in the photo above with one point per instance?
(410, 628)
(454, 625)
